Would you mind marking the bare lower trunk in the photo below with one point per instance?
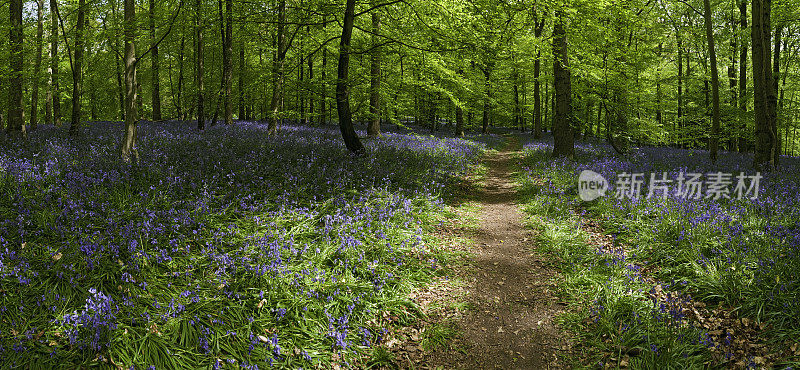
(77, 71)
(55, 92)
(713, 145)
(201, 118)
(37, 65)
(351, 140)
(277, 70)
(131, 113)
(763, 90)
(563, 144)
(742, 127)
(16, 121)
(228, 62)
(156, 97)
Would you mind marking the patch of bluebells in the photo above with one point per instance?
(745, 251)
(204, 220)
(91, 326)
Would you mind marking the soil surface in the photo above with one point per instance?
(510, 321)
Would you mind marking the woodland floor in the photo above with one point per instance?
(510, 319)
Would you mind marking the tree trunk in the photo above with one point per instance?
(131, 114)
(374, 127)
(563, 141)
(179, 106)
(310, 60)
(277, 70)
(156, 96)
(241, 72)
(733, 137)
(351, 140)
(659, 118)
(742, 77)
(37, 66)
(77, 70)
(55, 92)
(16, 121)
(763, 88)
(228, 61)
(487, 98)
(323, 97)
(537, 101)
(517, 111)
(201, 118)
(713, 145)
(776, 73)
(680, 79)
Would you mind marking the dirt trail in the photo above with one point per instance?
(510, 324)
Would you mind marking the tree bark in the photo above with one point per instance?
(713, 145)
(228, 61)
(241, 72)
(201, 118)
(16, 121)
(776, 75)
(77, 70)
(763, 88)
(156, 96)
(563, 141)
(742, 76)
(55, 92)
(37, 65)
(734, 43)
(351, 140)
(277, 70)
(131, 113)
(374, 127)
(179, 105)
(537, 101)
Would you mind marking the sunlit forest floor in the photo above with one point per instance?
(232, 248)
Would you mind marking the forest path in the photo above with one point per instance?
(510, 323)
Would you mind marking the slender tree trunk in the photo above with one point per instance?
(156, 96)
(16, 119)
(323, 96)
(563, 144)
(201, 118)
(180, 78)
(742, 76)
(733, 137)
(517, 111)
(714, 142)
(54, 90)
(776, 75)
(310, 60)
(241, 72)
(659, 118)
(763, 88)
(680, 80)
(131, 113)
(374, 127)
(277, 70)
(487, 74)
(228, 61)
(37, 65)
(77, 71)
(351, 140)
